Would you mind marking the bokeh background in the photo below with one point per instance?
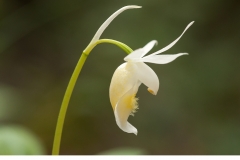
(195, 112)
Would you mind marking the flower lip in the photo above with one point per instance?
(125, 107)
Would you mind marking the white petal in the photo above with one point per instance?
(148, 47)
(148, 77)
(109, 20)
(135, 55)
(124, 108)
(139, 53)
(162, 59)
(173, 43)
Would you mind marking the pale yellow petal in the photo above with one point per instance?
(122, 81)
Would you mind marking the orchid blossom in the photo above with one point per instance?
(130, 75)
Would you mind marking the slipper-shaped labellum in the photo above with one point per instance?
(130, 75)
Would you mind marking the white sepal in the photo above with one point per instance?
(109, 20)
(139, 53)
(148, 77)
(171, 44)
(162, 59)
(148, 47)
(135, 56)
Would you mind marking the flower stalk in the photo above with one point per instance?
(71, 85)
(65, 102)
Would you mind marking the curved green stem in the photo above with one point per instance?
(70, 87)
(127, 49)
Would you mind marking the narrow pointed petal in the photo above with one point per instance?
(173, 43)
(139, 53)
(109, 20)
(124, 108)
(162, 59)
(135, 55)
(148, 77)
(148, 47)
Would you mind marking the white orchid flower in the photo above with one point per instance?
(129, 76)
(107, 22)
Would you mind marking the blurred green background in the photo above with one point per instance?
(197, 107)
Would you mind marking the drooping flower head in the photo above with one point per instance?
(130, 75)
